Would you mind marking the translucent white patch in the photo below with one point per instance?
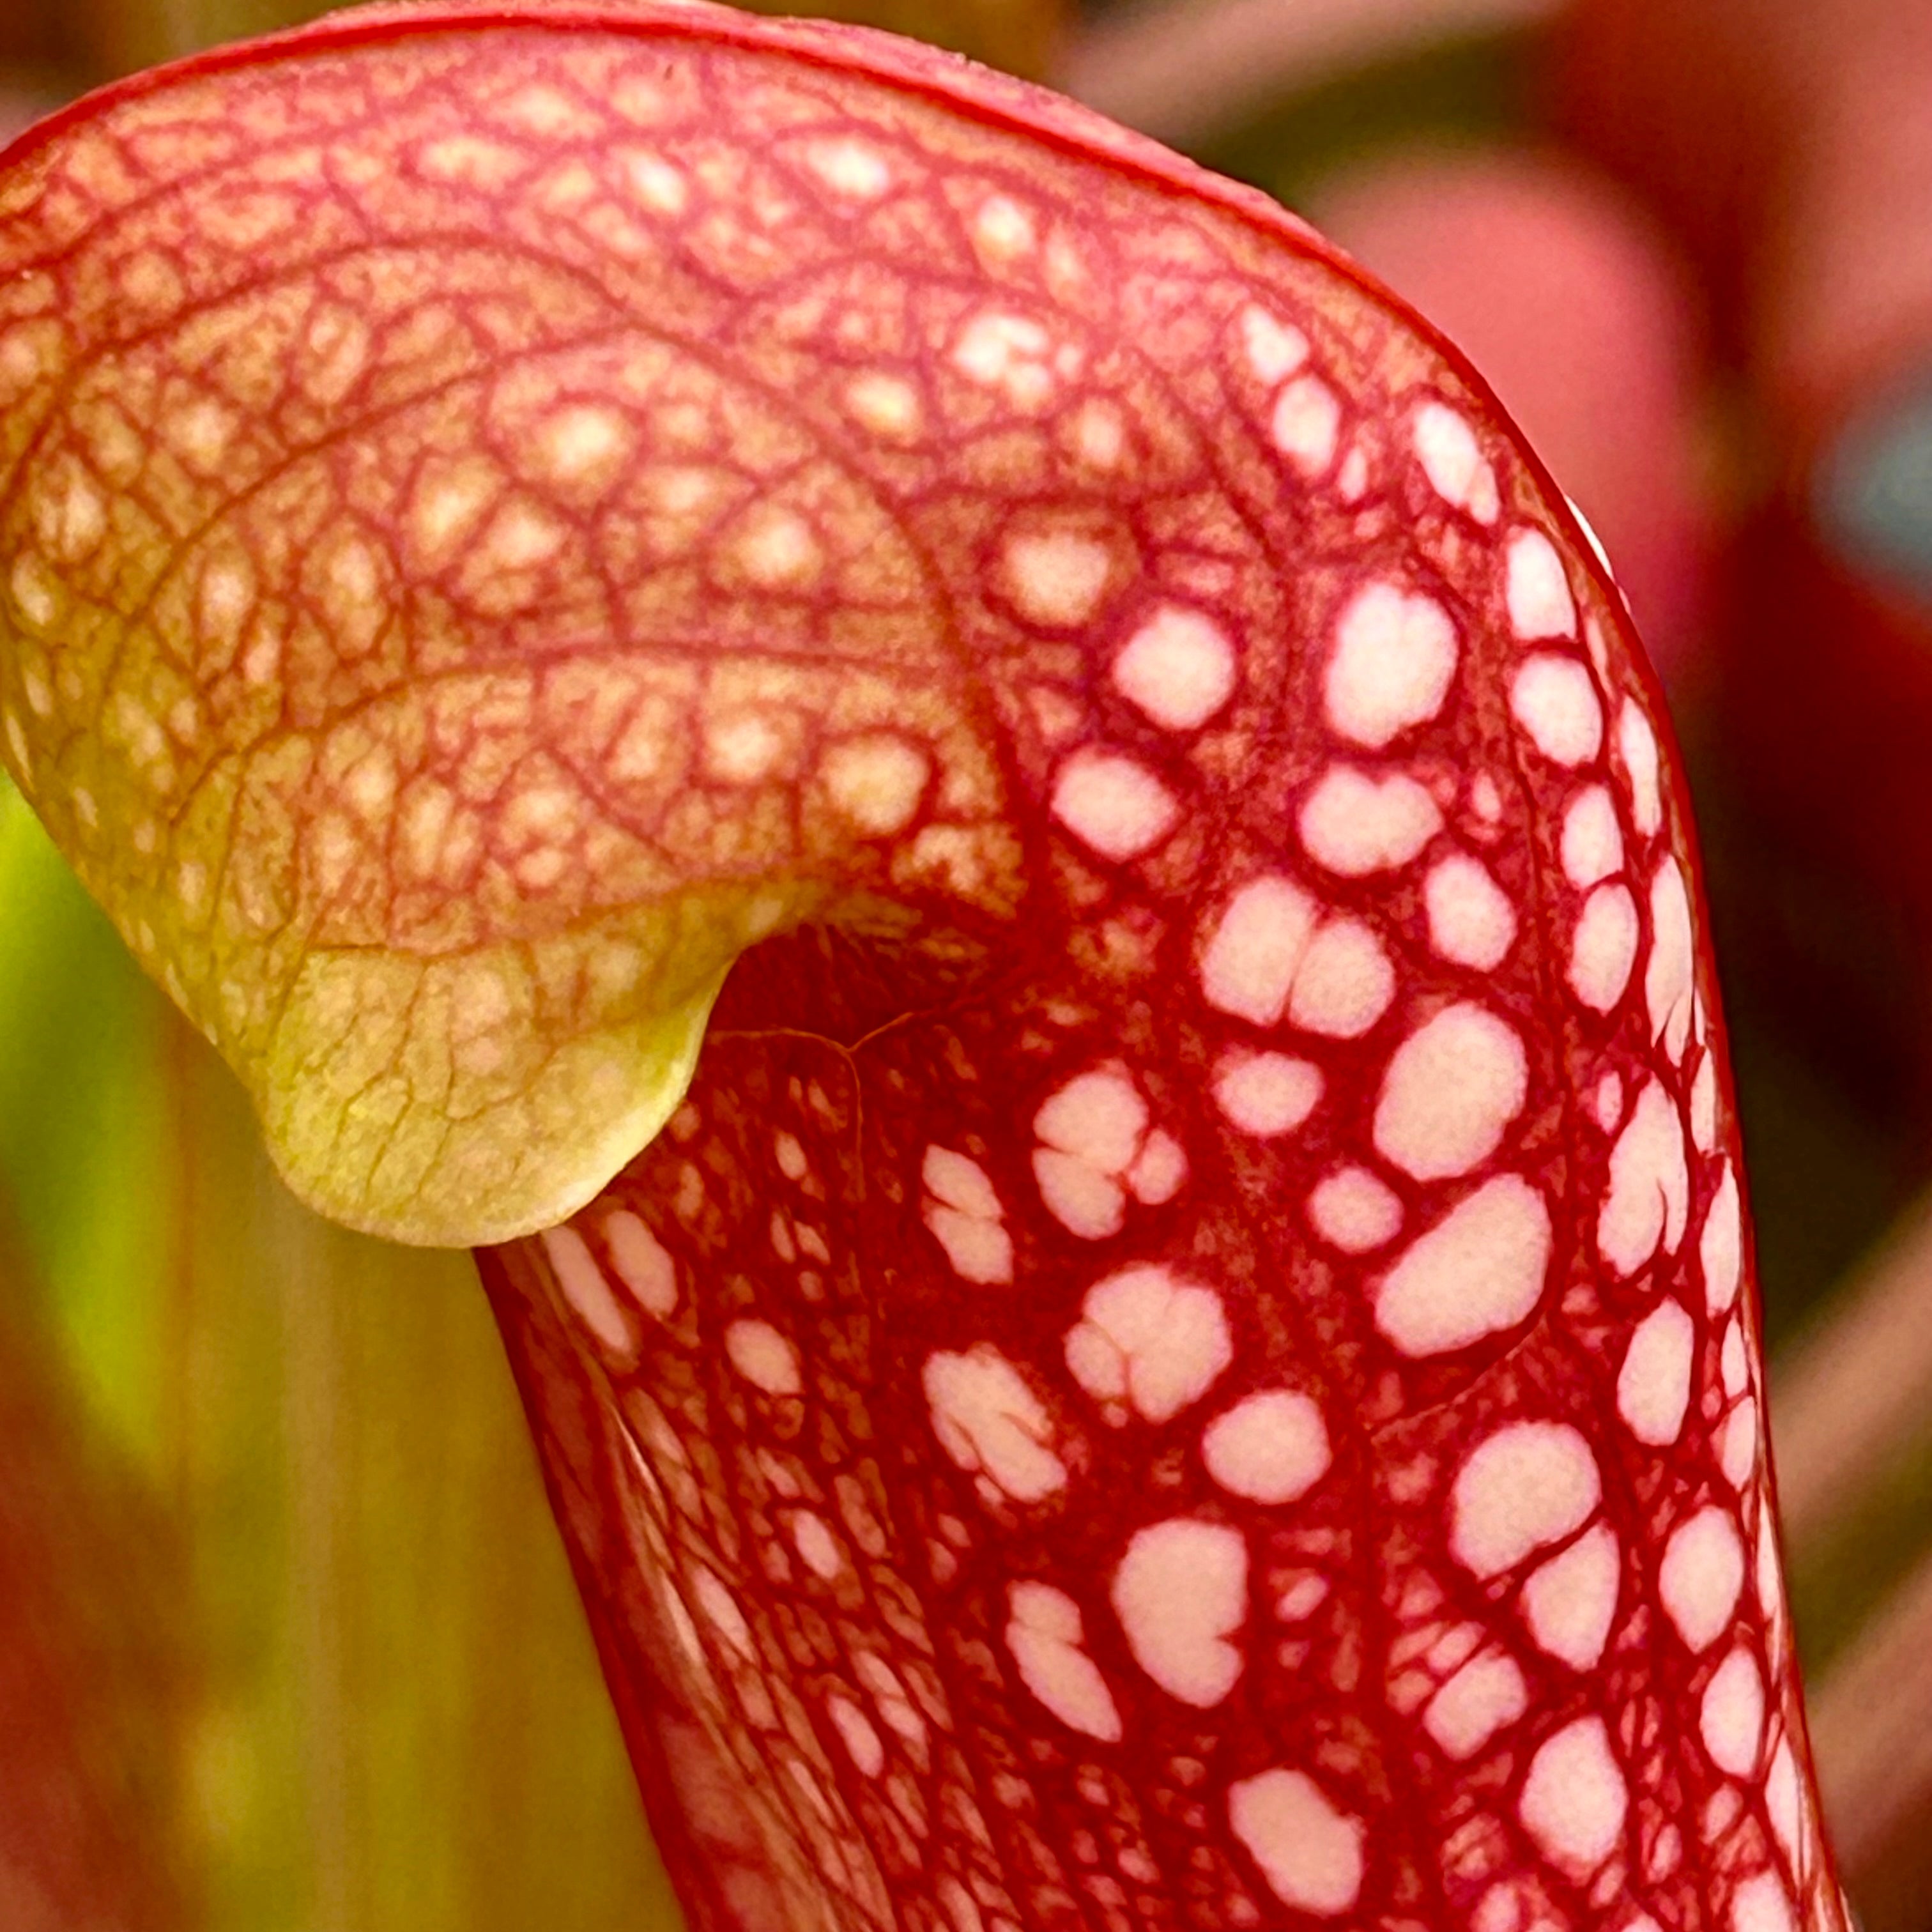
(1099, 1117)
(778, 550)
(1180, 1593)
(1537, 592)
(683, 1628)
(1720, 1246)
(889, 1696)
(849, 166)
(1354, 1211)
(642, 1265)
(1394, 657)
(817, 1548)
(965, 1217)
(1553, 698)
(1147, 1338)
(763, 1357)
(1574, 1800)
(1310, 1853)
(1346, 982)
(1570, 1602)
(1355, 825)
(1478, 1271)
(1004, 230)
(1453, 460)
(856, 1732)
(1159, 1169)
(961, 1908)
(1012, 354)
(1485, 1696)
(1654, 1385)
(1636, 745)
(1761, 1904)
(1731, 1358)
(1082, 1199)
(583, 445)
(33, 591)
(1256, 949)
(1305, 425)
(1100, 433)
(876, 782)
(1270, 1448)
(589, 1294)
(1701, 1576)
(1452, 1088)
(1178, 668)
(1302, 1598)
(991, 1423)
(1055, 578)
(660, 186)
(1046, 1637)
(41, 702)
(1529, 1484)
(1606, 1101)
(1092, 1130)
(81, 522)
(447, 507)
(1731, 1717)
(1603, 950)
(1649, 1194)
(889, 406)
(1782, 1803)
(1768, 1578)
(744, 747)
(1112, 803)
(1667, 979)
(1266, 1093)
(1737, 1449)
(1265, 947)
(1472, 921)
(721, 1609)
(1593, 842)
(1275, 348)
(1704, 1103)
(959, 1183)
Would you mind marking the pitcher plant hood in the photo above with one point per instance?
(1182, 1352)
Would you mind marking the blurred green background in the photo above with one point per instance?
(387, 1712)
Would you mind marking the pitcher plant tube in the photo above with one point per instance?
(978, 817)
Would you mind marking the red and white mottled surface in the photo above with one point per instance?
(1572, 306)
(1188, 1359)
